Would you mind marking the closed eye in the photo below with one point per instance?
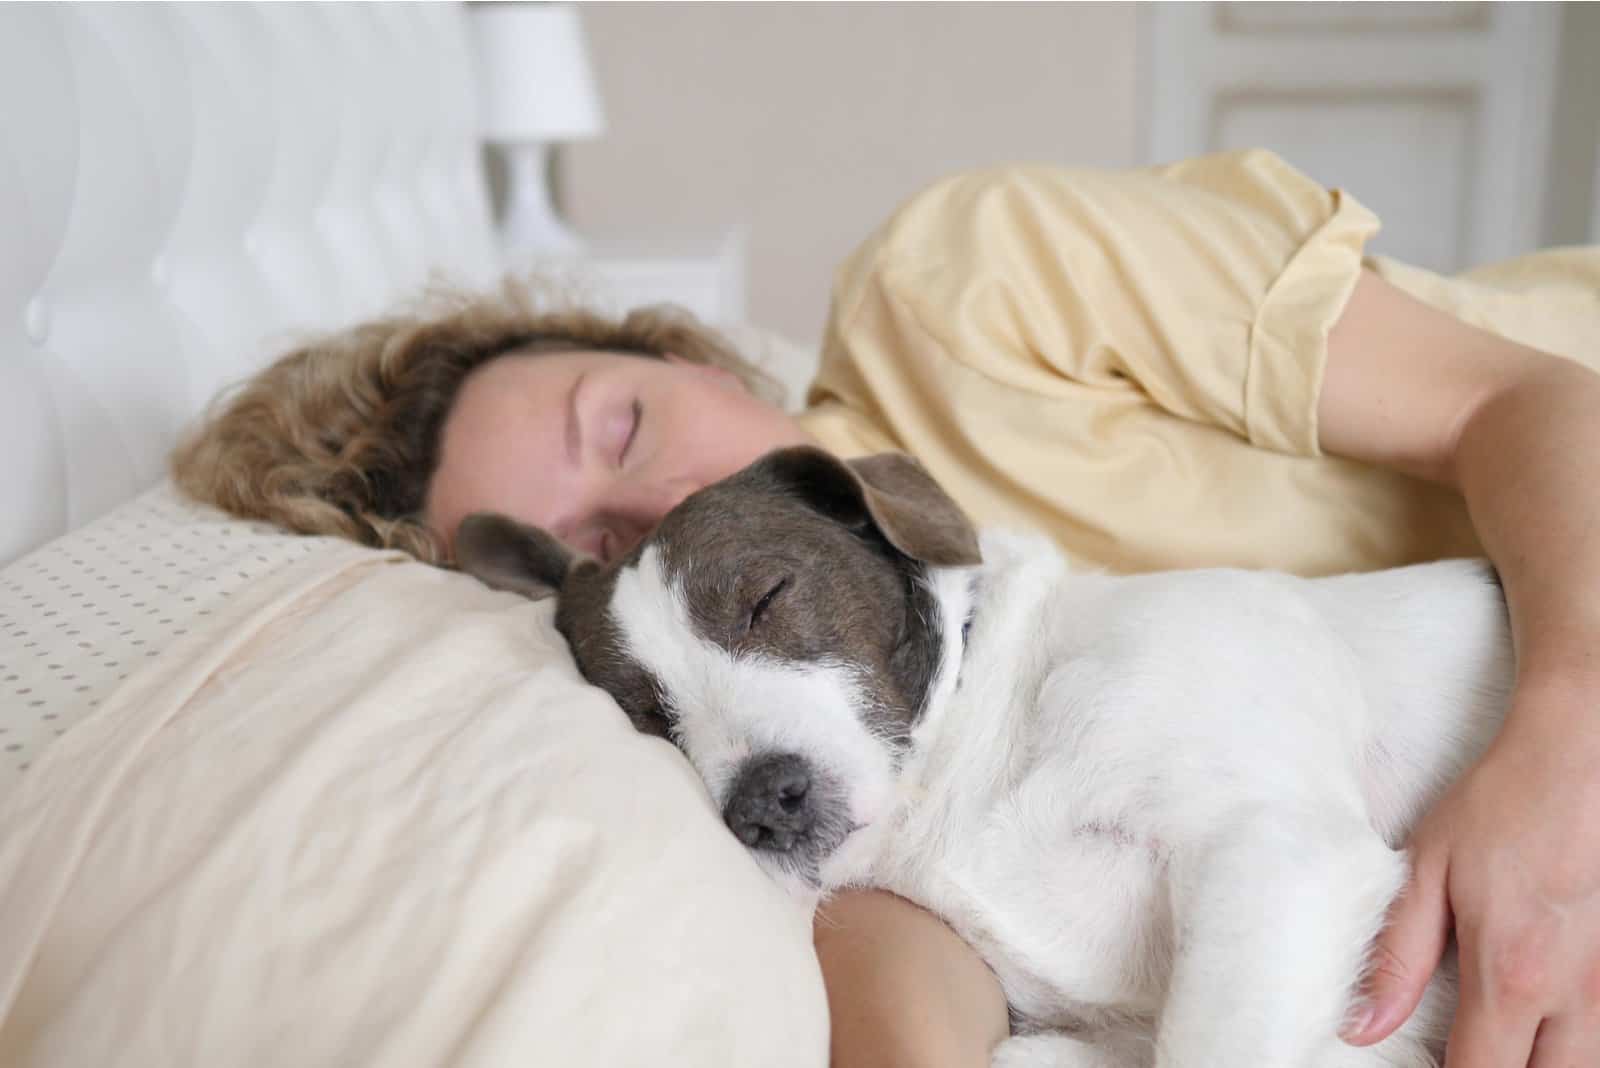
(633, 431)
(765, 603)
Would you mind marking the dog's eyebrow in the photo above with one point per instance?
(574, 430)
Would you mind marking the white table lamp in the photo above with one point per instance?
(535, 89)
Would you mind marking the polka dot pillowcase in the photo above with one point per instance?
(81, 614)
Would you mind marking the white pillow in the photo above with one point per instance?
(83, 612)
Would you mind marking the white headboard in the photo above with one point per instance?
(185, 188)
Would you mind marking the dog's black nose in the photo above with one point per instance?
(769, 807)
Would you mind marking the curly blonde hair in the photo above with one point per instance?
(341, 436)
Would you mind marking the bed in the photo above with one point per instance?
(274, 799)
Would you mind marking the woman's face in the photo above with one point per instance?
(592, 446)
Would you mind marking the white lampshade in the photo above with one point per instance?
(534, 80)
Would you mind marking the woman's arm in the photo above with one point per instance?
(1518, 432)
(904, 991)
(1511, 855)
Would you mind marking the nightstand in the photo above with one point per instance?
(704, 273)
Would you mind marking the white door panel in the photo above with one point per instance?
(1436, 116)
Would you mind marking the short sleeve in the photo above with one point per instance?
(1209, 286)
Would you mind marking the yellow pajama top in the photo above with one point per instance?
(1131, 360)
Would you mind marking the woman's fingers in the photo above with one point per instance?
(1407, 952)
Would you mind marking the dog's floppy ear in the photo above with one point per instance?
(914, 512)
(891, 491)
(508, 555)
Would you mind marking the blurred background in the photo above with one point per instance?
(778, 135)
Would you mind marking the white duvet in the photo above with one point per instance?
(369, 814)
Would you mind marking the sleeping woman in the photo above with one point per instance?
(1193, 365)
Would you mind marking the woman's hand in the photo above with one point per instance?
(1510, 858)
(904, 991)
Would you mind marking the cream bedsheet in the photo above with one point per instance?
(371, 815)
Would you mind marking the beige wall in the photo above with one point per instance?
(807, 123)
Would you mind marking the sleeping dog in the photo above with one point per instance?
(1166, 809)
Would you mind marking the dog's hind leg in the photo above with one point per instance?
(1273, 916)
(1056, 1049)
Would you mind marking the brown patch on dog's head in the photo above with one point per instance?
(782, 627)
(798, 557)
(802, 557)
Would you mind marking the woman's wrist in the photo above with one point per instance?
(1522, 465)
(1553, 721)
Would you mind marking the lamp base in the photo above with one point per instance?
(531, 225)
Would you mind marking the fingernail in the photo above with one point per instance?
(1358, 1024)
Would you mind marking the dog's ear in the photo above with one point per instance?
(914, 512)
(508, 555)
(892, 492)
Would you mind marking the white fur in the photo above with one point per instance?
(1166, 809)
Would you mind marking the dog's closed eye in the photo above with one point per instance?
(759, 609)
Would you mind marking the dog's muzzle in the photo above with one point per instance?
(772, 804)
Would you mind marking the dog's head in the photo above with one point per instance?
(778, 627)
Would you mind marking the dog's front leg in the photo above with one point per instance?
(1274, 914)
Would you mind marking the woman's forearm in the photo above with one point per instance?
(904, 991)
(1528, 464)
(1515, 430)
